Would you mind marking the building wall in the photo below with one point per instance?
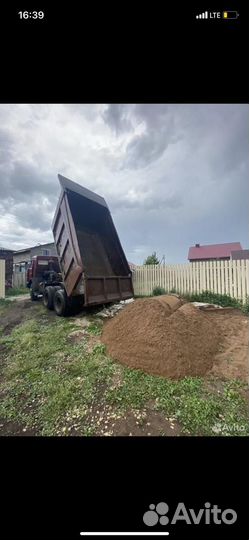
(19, 279)
(22, 257)
(45, 249)
(240, 255)
(20, 264)
(26, 256)
(2, 278)
(7, 256)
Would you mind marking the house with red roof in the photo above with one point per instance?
(213, 252)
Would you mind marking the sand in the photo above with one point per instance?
(163, 336)
(150, 336)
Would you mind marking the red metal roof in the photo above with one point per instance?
(213, 251)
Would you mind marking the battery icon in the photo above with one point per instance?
(230, 15)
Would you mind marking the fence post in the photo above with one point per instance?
(194, 281)
(203, 276)
(222, 276)
(2, 278)
(230, 276)
(208, 275)
(177, 277)
(181, 278)
(193, 273)
(199, 277)
(239, 276)
(185, 277)
(190, 270)
(226, 278)
(235, 292)
(247, 277)
(153, 276)
(218, 276)
(148, 279)
(243, 281)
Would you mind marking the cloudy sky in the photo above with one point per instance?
(172, 175)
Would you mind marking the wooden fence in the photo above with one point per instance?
(2, 278)
(223, 277)
(19, 279)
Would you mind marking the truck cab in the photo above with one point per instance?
(43, 271)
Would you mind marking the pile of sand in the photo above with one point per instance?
(163, 337)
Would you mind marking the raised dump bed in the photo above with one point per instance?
(92, 262)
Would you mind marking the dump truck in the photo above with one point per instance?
(91, 268)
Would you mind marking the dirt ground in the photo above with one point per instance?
(231, 361)
(15, 316)
(128, 425)
(22, 310)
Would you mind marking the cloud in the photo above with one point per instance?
(172, 175)
(158, 130)
(117, 117)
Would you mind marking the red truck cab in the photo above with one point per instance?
(42, 270)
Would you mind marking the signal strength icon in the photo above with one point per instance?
(203, 15)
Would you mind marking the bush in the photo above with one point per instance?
(157, 291)
(245, 307)
(223, 300)
(208, 297)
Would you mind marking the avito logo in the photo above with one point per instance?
(210, 514)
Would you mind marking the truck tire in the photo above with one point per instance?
(33, 296)
(60, 303)
(48, 297)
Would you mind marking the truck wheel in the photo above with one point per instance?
(60, 303)
(48, 297)
(33, 296)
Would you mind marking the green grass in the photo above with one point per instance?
(95, 328)
(49, 384)
(223, 300)
(15, 291)
(214, 298)
(187, 400)
(4, 303)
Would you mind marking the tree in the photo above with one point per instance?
(152, 259)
